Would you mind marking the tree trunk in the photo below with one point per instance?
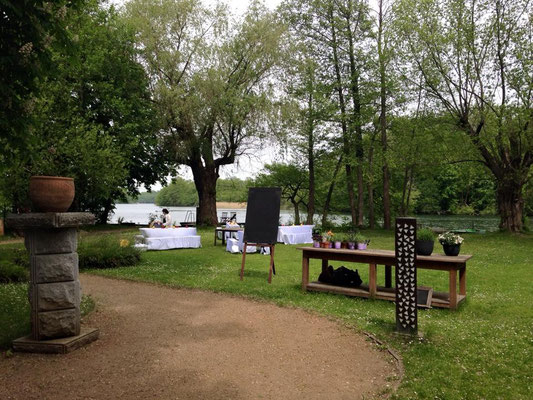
(205, 180)
(383, 122)
(104, 216)
(296, 213)
(330, 191)
(342, 106)
(510, 204)
(311, 159)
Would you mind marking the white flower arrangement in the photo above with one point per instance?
(450, 238)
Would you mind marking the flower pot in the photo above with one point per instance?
(424, 247)
(451, 249)
(351, 245)
(325, 245)
(338, 244)
(361, 246)
(344, 245)
(51, 193)
(316, 243)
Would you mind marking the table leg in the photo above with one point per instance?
(324, 265)
(305, 272)
(453, 289)
(388, 276)
(223, 238)
(243, 259)
(215, 243)
(462, 281)
(372, 277)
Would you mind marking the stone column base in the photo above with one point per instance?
(56, 346)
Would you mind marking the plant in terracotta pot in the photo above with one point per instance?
(425, 240)
(327, 237)
(451, 243)
(48, 191)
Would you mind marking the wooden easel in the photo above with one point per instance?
(272, 266)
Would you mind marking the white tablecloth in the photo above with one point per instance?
(170, 238)
(167, 232)
(295, 234)
(239, 243)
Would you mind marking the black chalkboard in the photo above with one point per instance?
(262, 215)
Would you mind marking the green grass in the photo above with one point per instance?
(482, 351)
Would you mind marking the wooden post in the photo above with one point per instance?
(271, 263)
(243, 259)
(388, 276)
(406, 308)
(372, 279)
(305, 271)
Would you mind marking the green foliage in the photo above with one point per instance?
(12, 273)
(179, 193)
(425, 234)
(107, 251)
(93, 119)
(183, 193)
(31, 31)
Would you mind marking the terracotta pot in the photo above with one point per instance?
(51, 193)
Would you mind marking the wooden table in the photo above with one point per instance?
(450, 299)
(226, 229)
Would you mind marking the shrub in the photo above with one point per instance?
(107, 252)
(425, 234)
(13, 273)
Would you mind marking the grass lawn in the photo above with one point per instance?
(483, 350)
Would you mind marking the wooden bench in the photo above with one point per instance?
(373, 258)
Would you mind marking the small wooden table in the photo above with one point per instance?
(226, 229)
(449, 299)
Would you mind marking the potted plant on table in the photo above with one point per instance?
(362, 242)
(317, 239)
(327, 237)
(451, 243)
(425, 241)
(352, 240)
(338, 240)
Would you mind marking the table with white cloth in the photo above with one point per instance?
(295, 234)
(170, 238)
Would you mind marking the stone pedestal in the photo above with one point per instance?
(54, 291)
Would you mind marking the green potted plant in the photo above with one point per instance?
(362, 242)
(425, 241)
(338, 240)
(351, 237)
(451, 243)
(317, 239)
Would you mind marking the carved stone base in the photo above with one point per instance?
(56, 346)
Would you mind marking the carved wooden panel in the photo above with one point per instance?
(406, 310)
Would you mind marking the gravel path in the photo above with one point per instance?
(162, 343)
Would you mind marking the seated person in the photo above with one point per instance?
(167, 218)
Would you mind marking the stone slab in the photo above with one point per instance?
(57, 346)
(51, 241)
(48, 268)
(49, 220)
(56, 296)
(55, 324)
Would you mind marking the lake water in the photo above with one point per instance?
(139, 214)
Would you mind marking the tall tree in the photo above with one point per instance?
(293, 183)
(210, 83)
(475, 58)
(29, 31)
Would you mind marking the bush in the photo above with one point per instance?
(13, 273)
(425, 234)
(107, 252)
